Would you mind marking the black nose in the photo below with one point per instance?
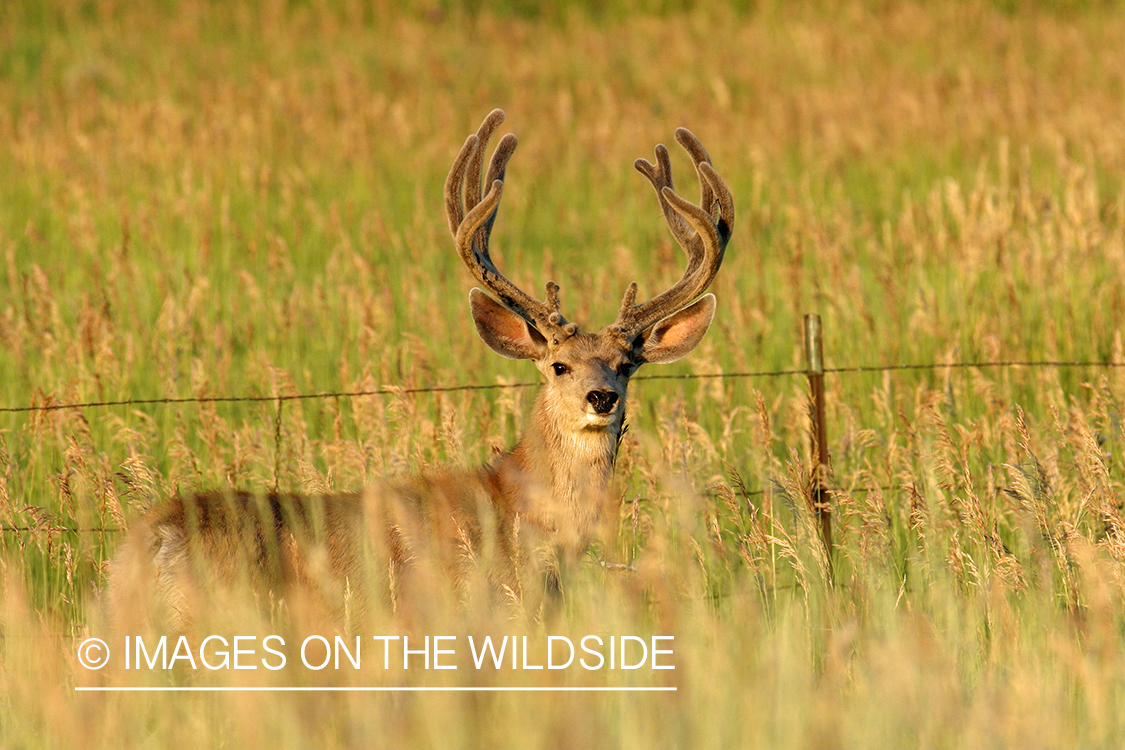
(602, 401)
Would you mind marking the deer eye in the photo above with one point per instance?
(560, 368)
(625, 369)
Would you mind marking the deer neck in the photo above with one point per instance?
(558, 479)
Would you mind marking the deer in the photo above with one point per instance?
(536, 507)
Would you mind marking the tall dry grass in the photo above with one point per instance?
(214, 199)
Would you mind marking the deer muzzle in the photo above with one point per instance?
(603, 401)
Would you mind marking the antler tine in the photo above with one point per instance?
(469, 163)
(702, 231)
(471, 230)
(688, 142)
(476, 161)
(660, 175)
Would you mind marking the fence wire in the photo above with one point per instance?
(397, 391)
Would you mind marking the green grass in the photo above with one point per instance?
(206, 199)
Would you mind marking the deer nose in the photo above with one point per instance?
(602, 401)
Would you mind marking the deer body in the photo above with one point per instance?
(526, 513)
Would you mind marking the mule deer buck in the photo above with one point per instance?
(547, 493)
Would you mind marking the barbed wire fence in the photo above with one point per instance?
(814, 370)
(396, 390)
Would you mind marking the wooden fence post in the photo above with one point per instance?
(814, 360)
(277, 447)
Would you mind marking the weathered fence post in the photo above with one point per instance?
(814, 360)
(277, 447)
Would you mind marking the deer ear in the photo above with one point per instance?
(506, 333)
(679, 333)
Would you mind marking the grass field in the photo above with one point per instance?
(203, 199)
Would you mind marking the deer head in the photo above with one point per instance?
(580, 409)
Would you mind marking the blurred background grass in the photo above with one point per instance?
(210, 199)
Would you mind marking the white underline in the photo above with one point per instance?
(470, 689)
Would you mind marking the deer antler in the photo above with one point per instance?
(702, 231)
(471, 231)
